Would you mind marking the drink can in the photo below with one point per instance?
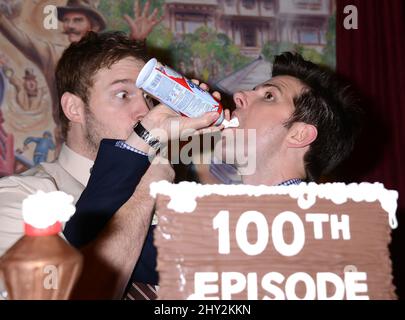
(176, 91)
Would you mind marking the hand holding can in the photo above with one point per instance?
(177, 92)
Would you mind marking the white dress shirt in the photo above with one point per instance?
(69, 173)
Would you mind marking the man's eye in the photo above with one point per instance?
(268, 96)
(122, 95)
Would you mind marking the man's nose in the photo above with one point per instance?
(140, 109)
(69, 24)
(240, 99)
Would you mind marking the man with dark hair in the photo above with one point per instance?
(305, 120)
(329, 105)
(95, 78)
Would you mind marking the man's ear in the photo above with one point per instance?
(73, 107)
(301, 135)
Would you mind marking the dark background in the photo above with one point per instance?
(372, 57)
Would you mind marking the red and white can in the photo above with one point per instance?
(177, 92)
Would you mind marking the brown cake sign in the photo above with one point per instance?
(327, 241)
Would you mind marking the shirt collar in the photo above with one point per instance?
(228, 174)
(290, 182)
(75, 164)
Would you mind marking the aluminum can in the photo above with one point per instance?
(176, 91)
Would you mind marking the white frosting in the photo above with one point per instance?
(233, 123)
(42, 210)
(179, 264)
(183, 195)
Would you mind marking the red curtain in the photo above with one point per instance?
(373, 59)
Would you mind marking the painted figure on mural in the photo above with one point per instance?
(24, 109)
(28, 95)
(43, 145)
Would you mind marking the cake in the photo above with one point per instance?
(307, 241)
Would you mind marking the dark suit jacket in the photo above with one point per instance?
(114, 177)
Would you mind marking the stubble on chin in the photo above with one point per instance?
(96, 131)
(92, 135)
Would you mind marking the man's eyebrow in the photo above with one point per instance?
(124, 81)
(266, 85)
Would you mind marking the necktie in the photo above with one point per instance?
(140, 291)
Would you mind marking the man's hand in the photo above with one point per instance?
(161, 121)
(143, 23)
(165, 124)
(162, 117)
